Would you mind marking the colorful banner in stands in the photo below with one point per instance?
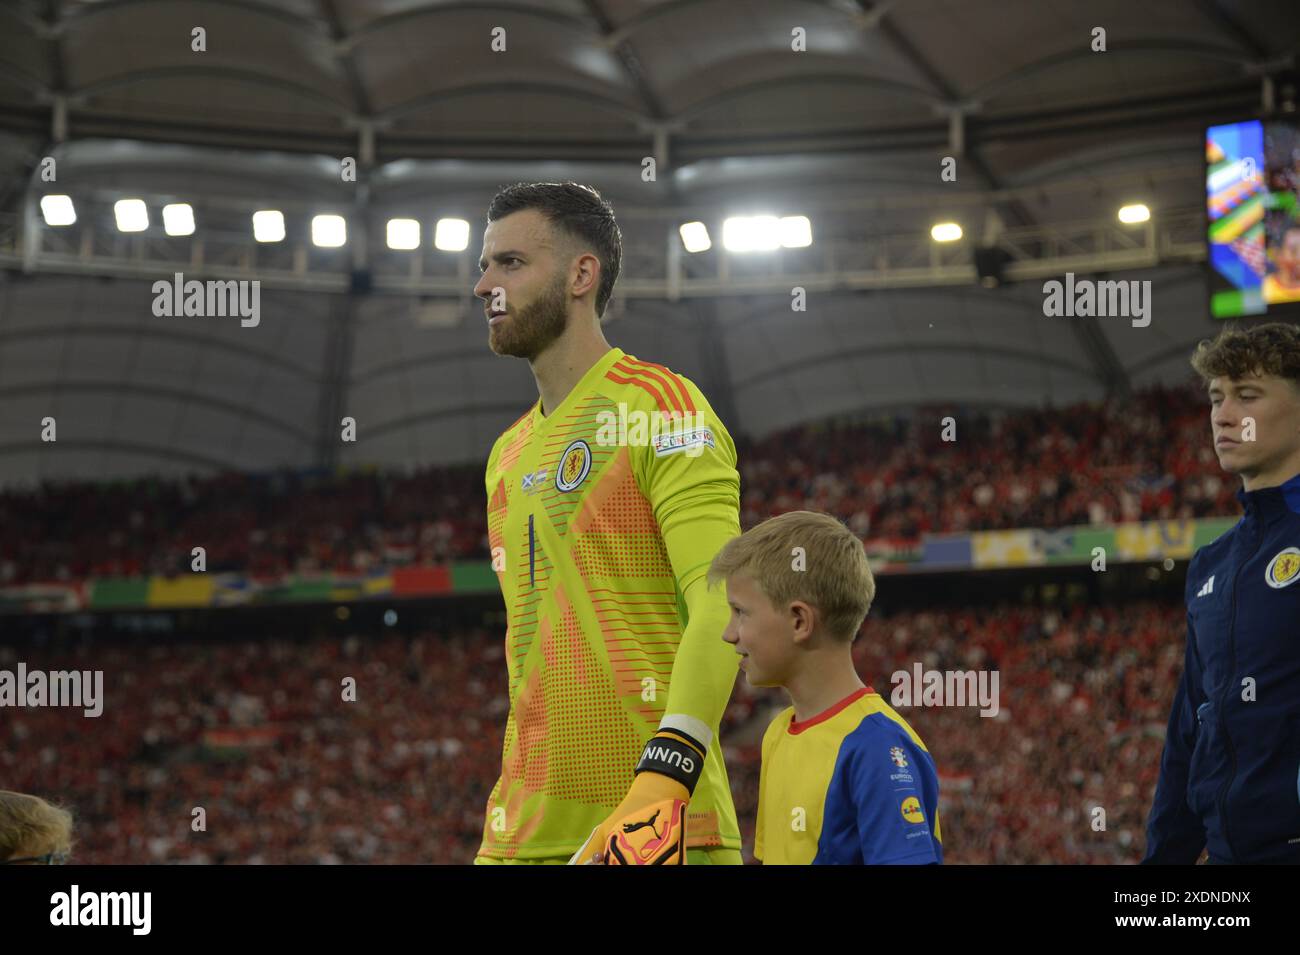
(44, 598)
(1123, 543)
(234, 740)
(980, 550)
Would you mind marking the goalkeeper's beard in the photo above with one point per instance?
(531, 330)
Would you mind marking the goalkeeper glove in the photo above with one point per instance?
(649, 825)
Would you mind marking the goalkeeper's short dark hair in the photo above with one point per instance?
(577, 213)
(830, 570)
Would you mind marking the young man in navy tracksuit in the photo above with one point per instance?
(1230, 773)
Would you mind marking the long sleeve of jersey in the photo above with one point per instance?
(695, 494)
(1175, 834)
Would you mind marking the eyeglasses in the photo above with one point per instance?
(50, 858)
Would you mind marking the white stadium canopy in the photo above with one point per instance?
(1050, 138)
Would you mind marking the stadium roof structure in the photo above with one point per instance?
(1050, 137)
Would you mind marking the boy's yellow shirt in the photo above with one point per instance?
(853, 785)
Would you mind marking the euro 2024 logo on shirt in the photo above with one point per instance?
(575, 465)
(1284, 569)
(899, 758)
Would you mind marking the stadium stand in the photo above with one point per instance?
(1086, 464)
(251, 730)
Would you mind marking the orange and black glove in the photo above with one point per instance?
(649, 825)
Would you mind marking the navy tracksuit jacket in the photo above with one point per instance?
(1230, 773)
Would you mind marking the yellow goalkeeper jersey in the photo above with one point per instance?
(603, 517)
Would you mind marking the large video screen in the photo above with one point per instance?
(1251, 184)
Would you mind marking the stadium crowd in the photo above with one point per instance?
(889, 480)
(258, 735)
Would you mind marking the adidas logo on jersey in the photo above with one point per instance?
(1207, 588)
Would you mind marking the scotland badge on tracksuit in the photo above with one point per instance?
(1230, 773)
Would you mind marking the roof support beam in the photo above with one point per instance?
(1094, 343)
(1231, 27)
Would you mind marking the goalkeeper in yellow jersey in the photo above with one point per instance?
(606, 503)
